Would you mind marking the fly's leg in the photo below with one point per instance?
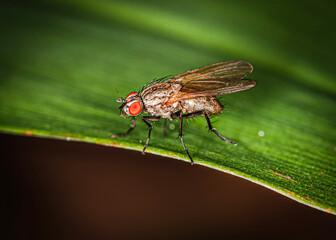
(148, 118)
(126, 133)
(189, 115)
(180, 135)
(214, 130)
(196, 114)
(164, 127)
(150, 126)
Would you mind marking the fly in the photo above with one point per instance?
(187, 95)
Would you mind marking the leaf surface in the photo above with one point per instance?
(64, 63)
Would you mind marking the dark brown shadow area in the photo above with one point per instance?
(64, 190)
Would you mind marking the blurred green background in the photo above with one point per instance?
(63, 64)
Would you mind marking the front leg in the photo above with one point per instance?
(148, 118)
(126, 133)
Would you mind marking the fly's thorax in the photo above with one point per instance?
(157, 95)
(133, 104)
(159, 92)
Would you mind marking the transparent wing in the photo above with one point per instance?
(217, 72)
(216, 79)
(195, 89)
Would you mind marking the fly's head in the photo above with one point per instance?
(132, 105)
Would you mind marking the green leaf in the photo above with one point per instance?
(63, 64)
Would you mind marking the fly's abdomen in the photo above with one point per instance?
(208, 104)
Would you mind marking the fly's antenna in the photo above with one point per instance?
(121, 100)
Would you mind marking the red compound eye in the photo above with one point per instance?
(134, 109)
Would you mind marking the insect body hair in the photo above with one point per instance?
(155, 80)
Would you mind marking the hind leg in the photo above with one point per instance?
(214, 130)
